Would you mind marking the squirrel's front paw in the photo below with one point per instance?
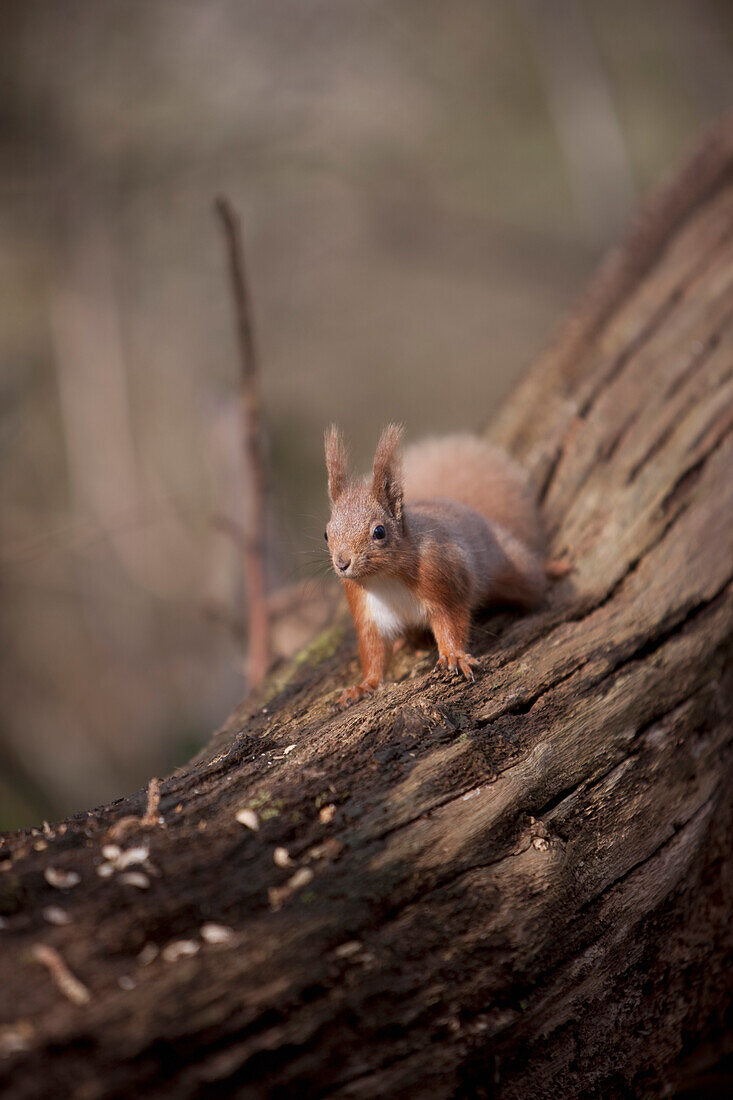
(353, 694)
(458, 662)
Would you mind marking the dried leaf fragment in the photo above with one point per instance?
(67, 983)
(346, 950)
(249, 819)
(61, 880)
(216, 933)
(123, 826)
(54, 914)
(135, 878)
(148, 954)
(179, 949)
(131, 856)
(330, 849)
(301, 878)
(16, 1037)
(276, 895)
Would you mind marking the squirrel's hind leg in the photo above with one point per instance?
(520, 578)
(557, 568)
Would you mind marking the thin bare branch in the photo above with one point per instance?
(259, 644)
(74, 990)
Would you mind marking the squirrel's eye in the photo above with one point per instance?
(378, 532)
(325, 535)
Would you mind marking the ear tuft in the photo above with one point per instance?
(387, 475)
(336, 463)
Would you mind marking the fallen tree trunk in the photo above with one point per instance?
(519, 887)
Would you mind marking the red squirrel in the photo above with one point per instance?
(421, 549)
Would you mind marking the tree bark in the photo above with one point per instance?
(520, 887)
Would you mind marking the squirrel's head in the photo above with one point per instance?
(366, 516)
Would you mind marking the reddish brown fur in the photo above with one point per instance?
(466, 468)
(387, 471)
(472, 541)
(336, 463)
(373, 650)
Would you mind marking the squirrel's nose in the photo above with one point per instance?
(343, 563)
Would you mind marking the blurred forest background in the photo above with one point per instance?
(424, 188)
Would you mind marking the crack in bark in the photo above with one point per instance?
(365, 1074)
(698, 270)
(593, 781)
(648, 331)
(657, 445)
(641, 653)
(540, 991)
(648, 648)
(684, 481)
(676, 830)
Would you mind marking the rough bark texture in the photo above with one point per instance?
(521, 887)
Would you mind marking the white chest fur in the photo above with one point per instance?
(393, 607)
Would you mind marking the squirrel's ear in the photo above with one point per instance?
(336, 463)
(387, 478)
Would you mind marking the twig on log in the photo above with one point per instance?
(150, 817)
(74, 990)
(259, 644)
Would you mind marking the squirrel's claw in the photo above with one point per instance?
(467, 664)
(458, 662)
(354, 694)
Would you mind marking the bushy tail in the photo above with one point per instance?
(465, 468)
